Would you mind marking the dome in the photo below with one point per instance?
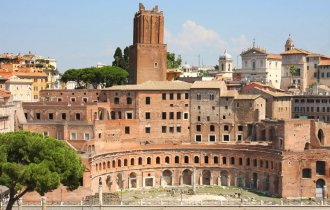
(186, 66)
(226, 56)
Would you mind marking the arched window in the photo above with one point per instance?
(196, 159)
(177, 159)
(96, 167)
(132, 161)
(125, 162)
(109, 164)
(157, 160)
(320, 135)
(140, 161)
(129, 100)
(215, 160)
(186, 159)
(206, 159)
(113, 164)
(167, 159)
(149, 160)
(104, 166)
(212, 128)
(232, 161)
(119, 163)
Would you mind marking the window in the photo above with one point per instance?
(127, 130)
(239, 137)
(199, 97)
(320, 168)
(163, 96)
(186, 115)
(176, 159)
(129, 115)
(147, 115)
(178, 115)
(140, 161)
(171, 115)
(198, 118)
(215, 160)
(171, 96)
(50, 116)
(116, 100)
(255, 162)
(211, 97)
(86, 136)
(171, 129)
(186, 96)
(59, 99)
(178, 129)
(208, 118)
(38, 116)
(147, 100)
(73, 136)
(198, 138)
(167, 159)
(149, 160)
(178, 96)
(226, 128)
(240, 161)
(129, 100)
(85, 100)
(226, 137)
(155, 65)
(212, 128)
(186, 159)
(224, 160)
(232, 161)
(206, 159)
(240, 128)
(63, 116)
(163, 115)
(45, 133)
(307, 173)
(198, 127)
(148, 129)
(248, 161)
(77, 116)
(212, 138)
(163, 129)
(196, 159)
(237, 105)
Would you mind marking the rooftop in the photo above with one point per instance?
(154, 85)
(215, 84)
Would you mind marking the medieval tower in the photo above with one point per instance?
(148, 52)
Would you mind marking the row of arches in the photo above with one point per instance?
(246, 162)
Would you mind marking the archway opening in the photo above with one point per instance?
(206, 177)
(186, 177)
(320, 183)
(224, 178)
(132, 179)
(167, 178)
(320, 135)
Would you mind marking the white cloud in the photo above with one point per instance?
(193, 40)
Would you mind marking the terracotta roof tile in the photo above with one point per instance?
(154, 85)
(296, 51)
(274, 56)
(324, 63)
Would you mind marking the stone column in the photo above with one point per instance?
(193, 179)
(211, 178)
(325, 192)
(138, 181)
(100, 195)
(258, 184)
(43, 203)
(20, 204)
(229, 179)
(219, 180)
(181, 180)
(201, 179)
(236, 181)
(160, 181)
(244, 182)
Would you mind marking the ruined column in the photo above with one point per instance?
(201, 179)
(181, 180)
(229, 180)
(325, 191)
(20, 204)
(236, 181)
(43, 203)
(219, 180)
(258, 184)
(211, 179)
(193, 180)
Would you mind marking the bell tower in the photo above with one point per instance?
(289, 44)
(148, 52)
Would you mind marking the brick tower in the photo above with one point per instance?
(147, 55)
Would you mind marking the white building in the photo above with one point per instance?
(187, 71)
(20, 89)
(225, 67)
(260, 66)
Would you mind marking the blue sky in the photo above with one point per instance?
(81, 33)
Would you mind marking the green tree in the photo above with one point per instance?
(126, 59)
(172, 61)
(105, 76)
(30, 162)
(118, 58)
(293, 70)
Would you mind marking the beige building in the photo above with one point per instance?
(305, 64)
(20, 89)
(225, 67)
(260, 66)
